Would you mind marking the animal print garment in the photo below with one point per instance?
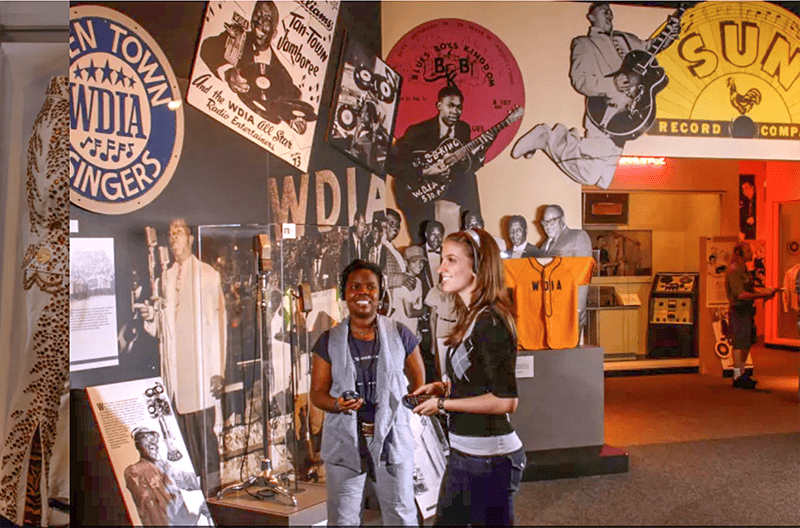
(35, 408)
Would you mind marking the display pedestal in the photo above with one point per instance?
(240, 509)
(575, 462)
(560, 416)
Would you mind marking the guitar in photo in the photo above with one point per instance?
(638, 81)
(435, 161)
(454, 157)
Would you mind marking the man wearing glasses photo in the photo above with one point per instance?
(565, 242)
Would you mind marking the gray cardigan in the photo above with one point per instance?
(340, 433)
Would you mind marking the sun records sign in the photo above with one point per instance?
(733, 73)
(126, 121)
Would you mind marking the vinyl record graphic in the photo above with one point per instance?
(346, 117)
(722, 349)
(363, 78)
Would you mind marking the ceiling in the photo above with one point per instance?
(34, 14)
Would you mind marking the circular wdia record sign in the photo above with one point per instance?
(126, 122)
(473, 58)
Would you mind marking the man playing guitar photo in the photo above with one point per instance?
(598, 70)
(423, 177)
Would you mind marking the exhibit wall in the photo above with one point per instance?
(318, 141)
(222, 178)
(233, 161)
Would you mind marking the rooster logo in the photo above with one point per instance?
(743, 103)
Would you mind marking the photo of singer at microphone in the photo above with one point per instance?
(195, 293)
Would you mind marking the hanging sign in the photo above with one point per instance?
(126, 117)
(260, 69)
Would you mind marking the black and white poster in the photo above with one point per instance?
(260, 68)
(365, 107)
(92, 304)
(148, 455)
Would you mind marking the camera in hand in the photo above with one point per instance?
(350, 395)
(411, 401)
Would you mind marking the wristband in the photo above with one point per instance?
(440, 406)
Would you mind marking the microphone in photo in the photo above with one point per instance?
(263, 250)
(304, 298)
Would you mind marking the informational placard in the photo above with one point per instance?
(260, 69)
(430, 459)
(92, 304)
(148, 454)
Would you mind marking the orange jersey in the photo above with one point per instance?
(547, 299)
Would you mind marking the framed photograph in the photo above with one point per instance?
(622, 253)
(605, 208)
(364, 107)
(255, 74)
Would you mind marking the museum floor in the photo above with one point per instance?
(701, 453)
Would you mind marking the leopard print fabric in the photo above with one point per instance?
(34, 417)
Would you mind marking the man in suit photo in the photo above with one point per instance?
(518, 235)
(595, 63)
(356, 243)
(561, 240)
(195, 335)
(565, 242)
(424, 137)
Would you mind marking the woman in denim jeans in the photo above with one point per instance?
(479, 389)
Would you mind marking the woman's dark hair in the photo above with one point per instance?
(356, 265)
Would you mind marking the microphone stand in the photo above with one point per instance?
(271, 483)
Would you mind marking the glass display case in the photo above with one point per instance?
(275, 289)
(616, 319)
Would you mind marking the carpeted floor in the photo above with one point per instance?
(682, 407)
(701, 453)
(745, 481)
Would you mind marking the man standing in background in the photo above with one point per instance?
(741, 297)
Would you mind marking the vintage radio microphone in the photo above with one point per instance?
(304, 306)
(157, 292)
(266, 479)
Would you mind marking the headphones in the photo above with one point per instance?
(471, 233)
(362, 264)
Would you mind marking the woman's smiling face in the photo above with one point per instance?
(456, 269)
(362, 294)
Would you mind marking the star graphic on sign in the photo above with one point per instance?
(132, 81)
(106, 73)
(91, 70)
(78, 74)
(120, 77)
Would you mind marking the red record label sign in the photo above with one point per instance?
(470, 56)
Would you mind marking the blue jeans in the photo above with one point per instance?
(393, 486)
(479, 490)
